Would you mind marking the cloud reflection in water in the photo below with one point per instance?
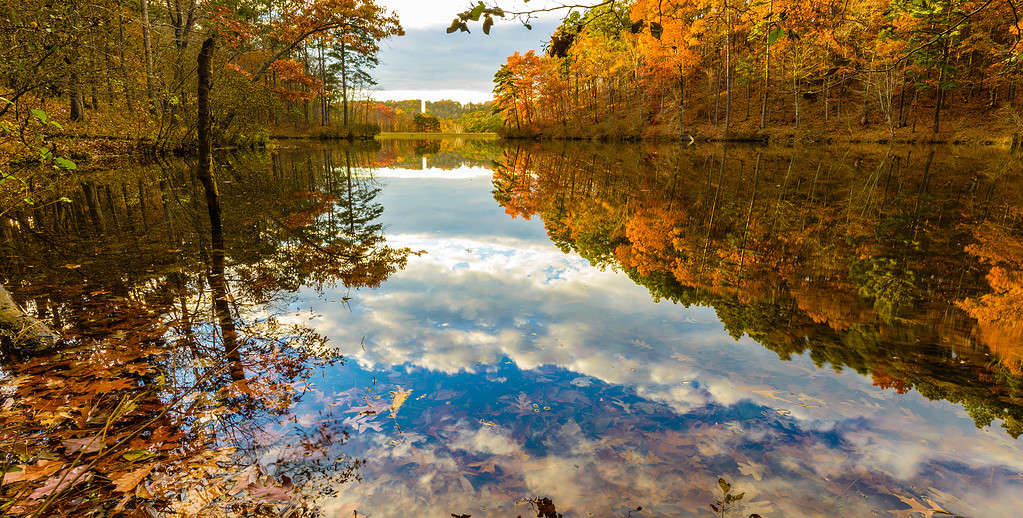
(636, 403)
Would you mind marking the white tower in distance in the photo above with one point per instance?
(423, 101)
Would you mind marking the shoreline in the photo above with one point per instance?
(141, 148)
(1009, 142)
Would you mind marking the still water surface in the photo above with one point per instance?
(835, 332)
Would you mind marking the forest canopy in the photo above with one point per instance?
(728, 67)
(127, 69)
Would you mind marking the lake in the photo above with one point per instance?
(462, 327)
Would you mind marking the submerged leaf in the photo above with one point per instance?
(126, 482)
(43, 468)
(59, 482)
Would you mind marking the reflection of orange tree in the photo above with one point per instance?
(844, 258)
(159, 396)
(999, 313)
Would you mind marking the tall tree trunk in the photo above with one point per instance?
(728, 69)
(795, 91)
(767, 70)
(147, 46)
(75, 92)
(681, 101)
(940, 94)
(717, 93)
(216, 278)
(129, 94)
(305, 102)
(93, 89)
(344, 83)
(902, 97)
(323, 76)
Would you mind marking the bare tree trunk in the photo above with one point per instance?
(767, 70)
(147, 45)
(795, 91)
(75, 92)
(902, 97)
(941, 76)
(216, 278)
(681, 100)
(344, 83)
(323, 75)
(728, 68)
(717, 94)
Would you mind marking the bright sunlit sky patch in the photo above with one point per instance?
(429, 64)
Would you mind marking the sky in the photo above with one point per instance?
(428, 63)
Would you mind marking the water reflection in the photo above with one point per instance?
(859, 260)
(172, 361)
(521, 358)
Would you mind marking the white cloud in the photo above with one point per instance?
(462, 96)
(491, 288)
(461, 173)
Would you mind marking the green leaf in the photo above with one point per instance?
(11, 469)
(64, 163)
(774, 35)
(64, 199)
(39, 114)
(739, 496)
(476, 12)
(136, 455)
(487, 24)
(724, 485)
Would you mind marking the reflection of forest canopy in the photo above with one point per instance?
(162, 391)
(444, 154)
(861, 260)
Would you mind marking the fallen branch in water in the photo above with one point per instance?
(18, 330)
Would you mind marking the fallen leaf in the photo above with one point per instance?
(41, 469)
(267, 494)
(127, 481)
(84, 444)
(398, 398)
(60, 482)
(136, 455)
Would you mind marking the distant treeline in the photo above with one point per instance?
(443, 116)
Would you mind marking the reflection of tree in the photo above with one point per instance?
(854, 259)
(172, 364)
(999, 313)
(357, 204)
(443, 154)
